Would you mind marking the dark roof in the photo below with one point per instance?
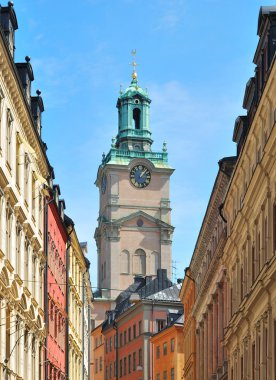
(180, 320)
(143, 288)
(68, 221)
(169, 294)
(123, 300)
(264, 12)
(159, 283)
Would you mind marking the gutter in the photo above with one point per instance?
(67, 310)
(83, 311)
(46, 308)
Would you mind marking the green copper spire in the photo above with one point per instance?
(133, 111)
(133, 139)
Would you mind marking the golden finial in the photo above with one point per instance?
(134, 64)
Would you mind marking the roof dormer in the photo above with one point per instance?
(9, 25)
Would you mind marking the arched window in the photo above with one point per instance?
(136, 118)
(154, 262)
(124, 262)
(140, 262)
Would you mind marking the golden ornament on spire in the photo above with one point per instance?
(134, 64)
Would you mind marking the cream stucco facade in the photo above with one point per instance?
(23, 172)
(250, 250)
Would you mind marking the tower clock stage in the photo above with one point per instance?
(134, 232)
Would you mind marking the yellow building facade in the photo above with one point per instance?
(187, 297)
(77, 269)
(23, 172)
(234, 263)
(250, 210)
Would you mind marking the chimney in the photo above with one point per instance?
(240, 132)
(162, 280)
(138, 279)
(37, 108)
(62, 208)
(9, 25)
(26, 75)
(56, 191)
(148, 279)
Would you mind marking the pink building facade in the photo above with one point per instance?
(56, 316)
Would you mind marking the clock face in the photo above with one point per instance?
(140, 176)
(103, 185)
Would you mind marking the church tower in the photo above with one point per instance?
(134, 233)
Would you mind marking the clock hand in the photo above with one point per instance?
(143, 172)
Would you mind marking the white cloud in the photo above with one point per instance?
(169, 14)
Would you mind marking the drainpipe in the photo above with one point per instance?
(115, 327)
(83, 311)
(46, 316)
(67, 310)
(69, 243)
(152, 332)
(89, 337)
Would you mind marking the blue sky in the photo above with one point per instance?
(194, 57)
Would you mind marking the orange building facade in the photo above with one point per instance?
(167, 346)
(97, 354)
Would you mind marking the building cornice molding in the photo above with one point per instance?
(20, 107)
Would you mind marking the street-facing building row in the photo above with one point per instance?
(45, 290)
(228, 330)
(229, 290)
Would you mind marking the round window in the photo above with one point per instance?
(140, 222)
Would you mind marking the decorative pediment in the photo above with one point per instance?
(3, 179)
(28, 229)
(14, 291)
(10, 195)
(133, 219)
(4, 278)
(19, 213)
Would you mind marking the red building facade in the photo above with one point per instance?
(56, 315)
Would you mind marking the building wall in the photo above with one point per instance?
(77, 269)
(206, 272)
(121, 245)
(187, 296)
(168, 353)
(250, 250)
(57, 239)
(110, 347)
(87, 322)
(134, 328)
(97, 354)
(23, 171)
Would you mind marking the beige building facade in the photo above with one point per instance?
(250, 210)
(23, 172)
(204, 352)
(75, 284)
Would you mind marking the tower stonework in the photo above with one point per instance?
(134, 233)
